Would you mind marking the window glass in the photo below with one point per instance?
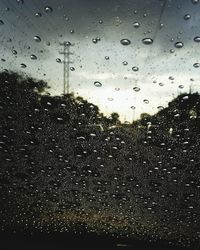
(99, 119)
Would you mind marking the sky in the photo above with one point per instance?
(164, 70)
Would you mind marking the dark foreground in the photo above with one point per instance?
(71, 241)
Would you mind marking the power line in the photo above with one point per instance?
(157, 28)
(66, 62)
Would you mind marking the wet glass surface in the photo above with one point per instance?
(99, 121)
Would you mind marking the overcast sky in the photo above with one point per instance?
(164, 70)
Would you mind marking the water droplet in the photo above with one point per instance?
(161, 25)
(181, 86)
(1, 22)
(72, 68)
(185, 97)
(161, 84)
(58, 60)
(197, 39)
(67, 43)
(48, 43)
(100, 21)
(97, 84)
(146, 101)
(147, 41)
(59, 119)
(136, 24)
(14, 52)
(125, 63)
(72, 31)
(136, 89)
(94, 40)
(22, 65)
(38, 14)
(37, 38)
(20, 1)
(160, 108)
(125, 42)
(179, 45)
(196, 65)
(133, 107)
(135, 68)
(187, 17)
(33, 57)
(107, 57)
(194, 1)
(48, 9)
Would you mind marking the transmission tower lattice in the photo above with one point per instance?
(66, 62)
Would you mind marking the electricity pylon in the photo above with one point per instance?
(66, 62)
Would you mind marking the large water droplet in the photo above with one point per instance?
(37, 38)
(179, 45)
(136, 24)
(97, 84)
(48, 9)
(68, 43)
(194, 1)
(125, 42)
(136, 89)
(197, 39)
(135, 68)
(187, 17)
(160, 108)
(196, 65)
(33, 57)
(22, 65)
(37, 14)
(94, 40)
(147, 41)
(186, 97)
(146, 101)
(58, 60)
